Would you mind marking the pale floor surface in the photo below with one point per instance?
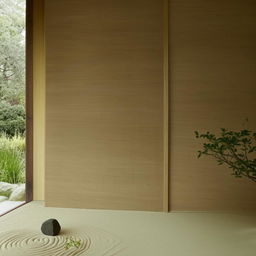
(6, 206)
(146, 233)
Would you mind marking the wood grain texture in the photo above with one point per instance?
(38, 100)
(213, 85)
(166, 111)
(104, 104)
(29, 100)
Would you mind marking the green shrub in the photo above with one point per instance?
(12, 118)
(12, 159)
(15, 142)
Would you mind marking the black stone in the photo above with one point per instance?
(51, 227)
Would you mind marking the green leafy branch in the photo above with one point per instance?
(70, 243)
(235, 149)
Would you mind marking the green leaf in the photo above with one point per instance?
(233, 148)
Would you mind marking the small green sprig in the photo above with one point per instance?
(236, 149)
(71, 242)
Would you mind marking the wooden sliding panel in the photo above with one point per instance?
(213, 85)
(104, 104)
(38, 100)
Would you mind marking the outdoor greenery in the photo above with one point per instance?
(12, 90)
(236, 149)
(12, 118)
(12, 159)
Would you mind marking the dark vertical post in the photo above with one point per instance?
(29, 100)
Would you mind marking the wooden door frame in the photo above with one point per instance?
(29, 100)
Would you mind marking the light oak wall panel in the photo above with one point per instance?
(39, 100)
(104, 104)
(213, 85)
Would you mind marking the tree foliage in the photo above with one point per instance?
(236, 149)
(12, 64)
(12, 118)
